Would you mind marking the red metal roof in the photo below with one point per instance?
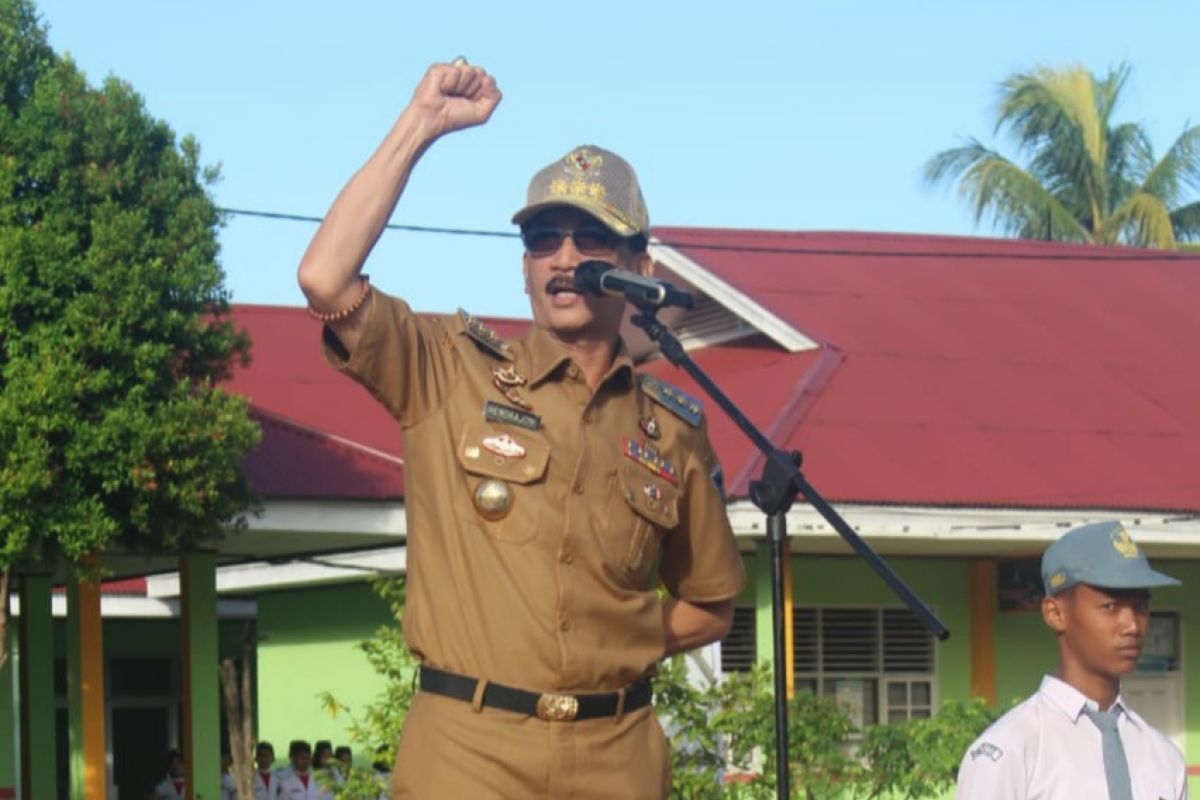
(984, 372)
(952, 371)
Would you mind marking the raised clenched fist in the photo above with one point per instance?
(454, 96)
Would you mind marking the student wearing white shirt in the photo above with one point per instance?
(266, 780)
(228, 783)
(171, 787)
(1076, 737)
(298, 781)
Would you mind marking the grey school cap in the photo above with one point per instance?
(594, 180)
(1101, 554)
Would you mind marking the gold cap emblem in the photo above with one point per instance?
(1123, 544)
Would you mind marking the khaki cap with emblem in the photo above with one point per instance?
(1101, 554)
(594, 180)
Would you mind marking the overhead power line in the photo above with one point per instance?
(1127, 254)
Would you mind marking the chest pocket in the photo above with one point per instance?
(504, 469)
(633, 540)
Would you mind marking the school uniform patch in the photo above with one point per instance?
(988, 751)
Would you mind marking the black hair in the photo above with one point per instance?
(299, 746)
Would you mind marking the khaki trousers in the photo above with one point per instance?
(450, 751)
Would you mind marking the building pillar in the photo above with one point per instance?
(201, 683)
(35, 632)
(981, 598)
(764, 628)
(85, 690)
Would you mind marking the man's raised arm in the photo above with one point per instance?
(450, 97)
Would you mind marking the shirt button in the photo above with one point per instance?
(577, 488)
(589, 417)
(572, 372)
(567, 558)
(565, 625)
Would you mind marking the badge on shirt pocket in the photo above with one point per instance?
(501, 465)
(654, 501)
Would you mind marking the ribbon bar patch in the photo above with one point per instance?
(648, 456)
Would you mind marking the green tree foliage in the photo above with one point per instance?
(114, 326)
(376, 727)
(1086, 177)
(721, 734)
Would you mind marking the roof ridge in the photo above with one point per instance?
(805, 393)
(317, 433)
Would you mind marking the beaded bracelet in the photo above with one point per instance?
(345, 313)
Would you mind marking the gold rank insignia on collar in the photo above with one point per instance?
(648, 456)
(484, 336)
(677, 401)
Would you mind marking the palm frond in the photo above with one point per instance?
(1142, 221)
(1013, 200)
(1177, 170)
(1186, 221)
(1053, 115)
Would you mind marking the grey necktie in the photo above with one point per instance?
(1116, 768)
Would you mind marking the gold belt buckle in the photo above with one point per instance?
(557, 707)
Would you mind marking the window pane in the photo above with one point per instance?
(1161, 651)
(738, 649)
(907, 643)
(860, 696)
(895, 716)
(922, 693)
(850, 639)
(897, 694)
(804, 640)
(920, 713)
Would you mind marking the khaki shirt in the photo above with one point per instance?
(557, 593)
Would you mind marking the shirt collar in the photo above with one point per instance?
(1070, 701)
(546, 355)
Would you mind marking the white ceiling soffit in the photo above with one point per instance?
(304, 571)
(740, 305)
(131, 607)
(994, 532)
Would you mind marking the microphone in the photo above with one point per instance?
(600, 278)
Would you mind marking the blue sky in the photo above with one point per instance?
(798, 116)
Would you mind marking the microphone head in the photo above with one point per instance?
(588, 274)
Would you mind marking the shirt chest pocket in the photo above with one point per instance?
(648, 507)
(504, 478)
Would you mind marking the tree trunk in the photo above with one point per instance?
(4, 616)
(239, 715)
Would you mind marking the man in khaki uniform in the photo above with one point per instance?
(549, 488)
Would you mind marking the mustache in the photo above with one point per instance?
(560, 283)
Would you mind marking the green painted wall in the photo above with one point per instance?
(308, 647)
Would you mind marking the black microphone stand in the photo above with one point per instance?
(774, 494)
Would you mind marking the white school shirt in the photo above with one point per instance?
(1046, 749)
(266, 790)
(166, 789)
(292, 788)
(228, 787)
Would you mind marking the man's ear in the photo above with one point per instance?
(525, 272)
(1054, 613)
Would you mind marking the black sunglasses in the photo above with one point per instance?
(590, 240)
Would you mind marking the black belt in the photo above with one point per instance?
(556, 707)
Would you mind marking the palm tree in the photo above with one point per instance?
(1086, 179)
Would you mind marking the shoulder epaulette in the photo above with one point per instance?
(484, 336)
(677, 401)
